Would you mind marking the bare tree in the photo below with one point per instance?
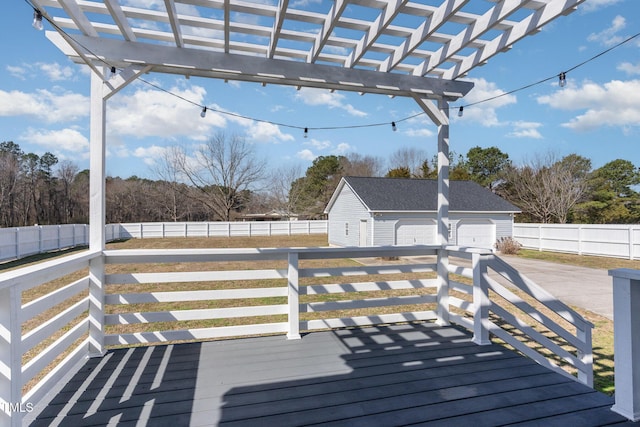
(9, 179)
(359, 165)
(410, 158)
(175, 192)
(547, 189)
(67, 171)
(223, 171)
(280, 187)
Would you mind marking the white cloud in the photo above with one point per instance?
(318, 144)
(52, 71)
(145, 4)
(419, 133)
(18, 72)
(593, 5)
(57, 140)
(616, 103)
(311, 96)
(485, 112)
(629, 68)
(608, 36)
(525, 130)
(55, 71)
(148, 113)
(303, 3)
(305, 154)
(46, 105)
(267, 132)
(150, 154)
(342, 148)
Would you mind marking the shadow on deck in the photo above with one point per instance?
(378, 376)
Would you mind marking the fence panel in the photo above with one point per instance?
(610, 240)
(20, 242)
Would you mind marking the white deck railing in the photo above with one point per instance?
(286, 291)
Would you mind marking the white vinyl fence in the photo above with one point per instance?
(19, 242)
(221, 229)
(616, 240)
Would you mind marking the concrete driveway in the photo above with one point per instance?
(588, 288)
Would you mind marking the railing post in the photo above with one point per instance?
(96, 307)
(293, 297)
(18, 254)
(443, 287)
(584, 334)
(626, 341)
(631, 242)
(11, 409)
(481, 300)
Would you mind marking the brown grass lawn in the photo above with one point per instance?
(602, 334)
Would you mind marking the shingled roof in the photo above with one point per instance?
(410, 195)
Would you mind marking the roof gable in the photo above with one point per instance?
(403, 194)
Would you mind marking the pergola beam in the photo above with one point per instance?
(196, 62)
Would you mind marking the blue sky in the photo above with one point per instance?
(44, 103)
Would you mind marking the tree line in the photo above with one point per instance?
(224, 179)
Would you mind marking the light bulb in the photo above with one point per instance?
(562, 79)
(203, 113)
(393, 126)
(37, 20)
(460, 111)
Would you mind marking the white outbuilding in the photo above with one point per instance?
(366, 211)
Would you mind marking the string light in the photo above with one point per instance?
(562, 77)
(37, 20)
(113, 72)
(37, 23)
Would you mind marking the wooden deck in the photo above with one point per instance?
(377, 376)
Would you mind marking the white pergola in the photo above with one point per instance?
(410, 48)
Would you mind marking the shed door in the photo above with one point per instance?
(415, 232)
(363, 232)
(476, 233)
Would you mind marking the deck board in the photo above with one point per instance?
(416, 374)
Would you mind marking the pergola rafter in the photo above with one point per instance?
(438, 38)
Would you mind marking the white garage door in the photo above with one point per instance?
(415, 232)
(476, 233)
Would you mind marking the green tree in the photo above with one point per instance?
(399, 172)
(618, 176)
(315, 189)
(486, 164)
(611, 197)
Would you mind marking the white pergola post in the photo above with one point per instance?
(97, 136)
(443, 213)
(101, 90)
(97, 214)
(443, 174)
(440, 116)
(626, 342)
